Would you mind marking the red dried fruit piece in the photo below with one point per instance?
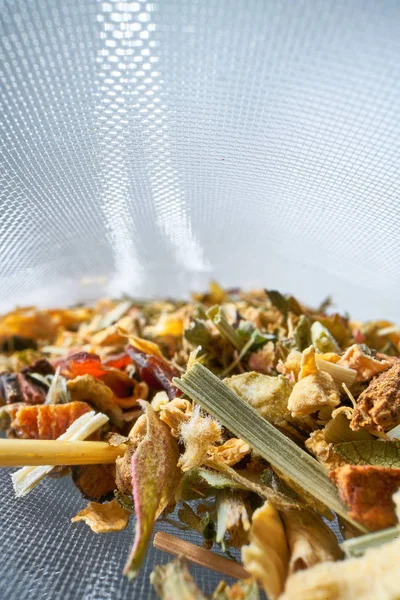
(118, 361)
(17, 387)
(84, 363)
(155, 371)
(48, 421)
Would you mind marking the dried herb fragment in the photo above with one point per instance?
(379, 453)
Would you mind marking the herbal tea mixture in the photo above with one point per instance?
(252, 415)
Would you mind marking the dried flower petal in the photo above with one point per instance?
(230, 452)
(198, 434)
(374, 575)
(267, 556)
(103, 518)
(174, 413)
(308, 366)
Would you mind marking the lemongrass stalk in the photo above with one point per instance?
(25, 479)
(241, 419)
(358, 545)
(338, 373)
(14, 453)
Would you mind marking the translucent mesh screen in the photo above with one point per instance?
(148, 147)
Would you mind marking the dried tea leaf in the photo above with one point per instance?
(279, 301)
(103, 518)
(380, 453)
(155, 476)
(88, 389)
(267, 555)
(145, 346)
(254, 484)
(198, 334)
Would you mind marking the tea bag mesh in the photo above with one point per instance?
(149, 147)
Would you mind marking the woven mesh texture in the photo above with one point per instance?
(147, 147)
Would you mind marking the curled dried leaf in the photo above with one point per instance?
(88, 389)
(230, 452)
(174, 413)
(103, 518)
(155, 477)
(310, 540)
(267, 555)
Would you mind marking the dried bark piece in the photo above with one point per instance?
(378, 407)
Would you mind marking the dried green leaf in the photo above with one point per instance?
(322, 339)
(302, 333)
(379, 453)
(204, 525)
(198, 334)
(278, 301)
(155, 476)
(217, 315)
(247, 331)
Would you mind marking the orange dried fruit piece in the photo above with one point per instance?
(47, 421)
(367, 491)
